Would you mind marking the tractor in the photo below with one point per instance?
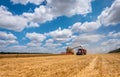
(80, 50)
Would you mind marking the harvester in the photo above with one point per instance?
(80, 50)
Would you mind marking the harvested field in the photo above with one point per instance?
(102, 65)
(26, 55)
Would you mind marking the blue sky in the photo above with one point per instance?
(50, 26)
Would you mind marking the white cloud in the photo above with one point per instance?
(24, 2)
(90, 26)
(42, 14)
(10, 21)
(49, 41)
(35, 38)
(34, 44)
(52, 45)
(71, 7)
(32, 24)
(15, 48)
(87, 38)
(106, 45)
(61, 35)
(7, 36)
(110, 44)
(56, 8)
(7, 39)
(114, 34)
(19, 47)
(110, 16)
(85, 27)
(62, 7)
(76, 27)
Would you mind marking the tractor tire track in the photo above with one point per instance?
(98, 65)
(88, 70)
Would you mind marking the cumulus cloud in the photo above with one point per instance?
(56, 8)
(87, 38)
(52, 45)
(24, 2)
(104, 46)
(110, 16)
(114, 34)
(71, 7)
(7, 39)
(42, 14)
(62, 7)
(85, 27)
(35, 38)
(34, 44)
(90, 26)
(10, 21)
(76, 27)
(49, 41)
(111, 44)
(61, 35)
(32, 24)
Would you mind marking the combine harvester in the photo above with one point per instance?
(80, 51)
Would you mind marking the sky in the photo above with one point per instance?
(49, 26)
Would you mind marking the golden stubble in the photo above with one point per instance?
(99, 65)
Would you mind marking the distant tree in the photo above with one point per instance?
(115, 51)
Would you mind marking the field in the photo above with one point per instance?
(99, 65)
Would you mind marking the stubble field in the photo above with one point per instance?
(100, 65)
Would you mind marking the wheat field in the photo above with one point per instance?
(100, 65)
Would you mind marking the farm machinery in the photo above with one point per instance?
(80, 50)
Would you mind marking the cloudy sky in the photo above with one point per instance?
(51, 25)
